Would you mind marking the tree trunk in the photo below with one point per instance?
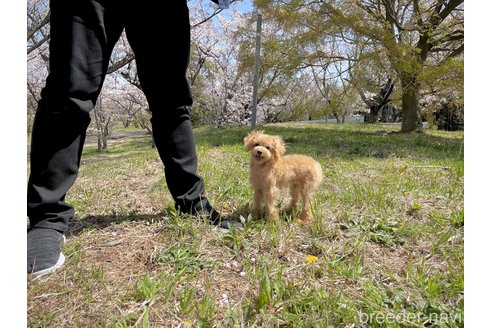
(99, 142)
(105, 135)
(149, 130)
(372, 116)
(411, 114)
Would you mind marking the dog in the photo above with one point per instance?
(271, 171)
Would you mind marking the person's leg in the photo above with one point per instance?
(175, 143)
(83, 34)
(163, 80)
(162, 74)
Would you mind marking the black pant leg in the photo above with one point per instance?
(159, 34)
(173, 136)
(163, 80)
(83, 33)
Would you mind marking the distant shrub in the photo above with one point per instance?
(450, 116)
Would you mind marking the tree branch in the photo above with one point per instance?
(456, 51)
(452, 4)
(120, 63)
(38, 44)
(33, 29)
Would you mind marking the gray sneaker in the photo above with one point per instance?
(228, 224)
(44, 254)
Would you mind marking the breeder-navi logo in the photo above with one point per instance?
(413, 318)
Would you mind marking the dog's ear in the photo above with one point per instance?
(279, 148)
(250, 140)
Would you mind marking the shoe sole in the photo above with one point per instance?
(58, 264)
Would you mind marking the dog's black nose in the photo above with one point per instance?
(258, 152)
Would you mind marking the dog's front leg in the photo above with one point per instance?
(270, 203)
(257, 203)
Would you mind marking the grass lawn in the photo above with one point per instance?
(386, 247)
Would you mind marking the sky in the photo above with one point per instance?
(241, 5)
(244, 5)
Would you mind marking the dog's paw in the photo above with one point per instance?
(303, 222)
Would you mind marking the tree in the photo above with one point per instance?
(418, 37)
(38, 18)
(377, 102)
(334, 89)
(37, 53)
(222, 93)
(102, 121)
(124, 100)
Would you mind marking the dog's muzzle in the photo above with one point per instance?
(258, 155)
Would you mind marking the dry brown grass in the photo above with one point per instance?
(387, 236)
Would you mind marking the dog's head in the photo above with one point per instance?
(264, 147)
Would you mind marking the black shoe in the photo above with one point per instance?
(44, 254)
(204, 211)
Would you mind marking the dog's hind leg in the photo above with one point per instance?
(295, 195)
(306, 215)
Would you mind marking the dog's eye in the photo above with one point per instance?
(257, 144)
(268, 147)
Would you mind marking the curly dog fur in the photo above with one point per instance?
(270, 171)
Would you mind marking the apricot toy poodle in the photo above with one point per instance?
(270, 171)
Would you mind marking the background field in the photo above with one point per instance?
(385, 249)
